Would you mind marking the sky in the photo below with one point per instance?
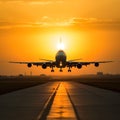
(31, 29)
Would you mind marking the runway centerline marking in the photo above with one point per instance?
(62, 107)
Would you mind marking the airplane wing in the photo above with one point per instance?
(80, 64)
(33, 63)
(88, 63)
(43, 64)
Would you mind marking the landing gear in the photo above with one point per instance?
(69, 70)
(52, 70)
(61, 70)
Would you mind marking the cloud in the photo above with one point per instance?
(93, 21)
(32, 2)
(40, 2)
(9, 25)
(25, 0)
(46, 21)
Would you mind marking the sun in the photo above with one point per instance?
(60, 45)
(58, 40)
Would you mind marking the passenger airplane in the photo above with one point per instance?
(61, 62)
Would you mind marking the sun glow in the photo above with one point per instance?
(61, 46)
(60, 41)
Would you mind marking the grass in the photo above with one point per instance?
(105, 82)
(17, 83)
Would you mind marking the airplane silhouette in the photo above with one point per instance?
(61, 62)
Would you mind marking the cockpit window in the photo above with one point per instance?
(60, 52)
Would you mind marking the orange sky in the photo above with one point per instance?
(30, 30)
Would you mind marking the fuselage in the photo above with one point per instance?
(60, 59)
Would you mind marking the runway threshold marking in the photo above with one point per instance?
(62, 108)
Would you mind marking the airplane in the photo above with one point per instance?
(61, 62)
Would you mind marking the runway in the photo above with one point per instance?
(61, 101)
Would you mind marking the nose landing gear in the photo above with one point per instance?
(61, 70)
(69, 70)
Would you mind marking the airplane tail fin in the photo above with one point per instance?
(60, 45)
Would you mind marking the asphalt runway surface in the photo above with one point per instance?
(60, 101)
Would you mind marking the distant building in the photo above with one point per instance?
(99, 73)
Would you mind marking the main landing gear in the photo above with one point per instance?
(69, 70)
(52, 70)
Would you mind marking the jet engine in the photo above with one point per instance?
(29, 65)
(96, 64)
(70, 65)
(44, 66)
(79, 66)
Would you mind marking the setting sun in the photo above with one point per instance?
(61, 46)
